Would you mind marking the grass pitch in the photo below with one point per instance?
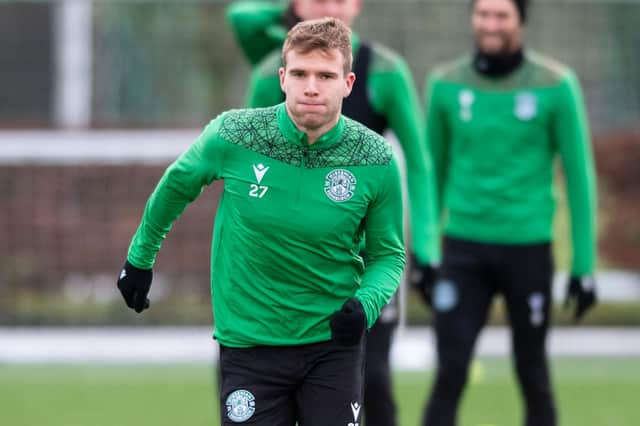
(590, 392)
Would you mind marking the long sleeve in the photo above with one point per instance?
(572, 138)
(384, 245)
(402, 109)
(181, 183)
(437, 141)
(257, 27)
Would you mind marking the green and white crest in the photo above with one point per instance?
(339, 185)
(241, 404)
(526, 106)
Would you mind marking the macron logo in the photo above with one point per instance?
(123, 274)
(355, 407)
(260, 170)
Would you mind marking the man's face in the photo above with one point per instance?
(496, 26)
(315, 85)
(345, 10)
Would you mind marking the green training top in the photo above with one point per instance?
(392, 94)
(493, 142)
(289, 224)
(258, 27)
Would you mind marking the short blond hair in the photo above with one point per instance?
(323, 34)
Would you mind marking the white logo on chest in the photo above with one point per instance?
(339, 185)
(465, 99)
(260, 170)
(526, 106)
(255, 189)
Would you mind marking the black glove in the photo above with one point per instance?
(581, 292)
(422, 278)
(349, 323)
(134, 284)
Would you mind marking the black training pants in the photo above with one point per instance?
(471, 274)
(379, 406)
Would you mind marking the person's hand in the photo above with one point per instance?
(422, 278)
(134, 284)
(348, 324)
(581, 293)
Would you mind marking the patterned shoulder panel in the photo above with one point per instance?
(459, 70)
(359, 147)
(545, 71)
(257, 130)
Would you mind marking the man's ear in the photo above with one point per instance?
(349, 82)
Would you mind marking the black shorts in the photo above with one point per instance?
(314, 385)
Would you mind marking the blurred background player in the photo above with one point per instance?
(384, 98)
(292, 299)
(495, 121)
(260, 27)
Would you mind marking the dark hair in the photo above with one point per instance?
(521, 6)
(289, 18)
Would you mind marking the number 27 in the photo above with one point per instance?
(258, 191)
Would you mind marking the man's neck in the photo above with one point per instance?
(497, 65)
(314, 134)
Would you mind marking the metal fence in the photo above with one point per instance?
(159, 63)
(69, 202)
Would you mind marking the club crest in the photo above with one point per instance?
(526, 106)
(339, 185)
(445, 296)
(240, 404)
(536, 308)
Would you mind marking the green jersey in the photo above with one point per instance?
(289, 224)
(392, 95)
(493, 142)
(258, 27)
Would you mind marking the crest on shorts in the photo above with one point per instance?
(445, 296)
(339, 185)
(241, 404)
(526, 106)
(536, 303)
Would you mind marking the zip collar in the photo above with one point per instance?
(497, 65)
(292, 134)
